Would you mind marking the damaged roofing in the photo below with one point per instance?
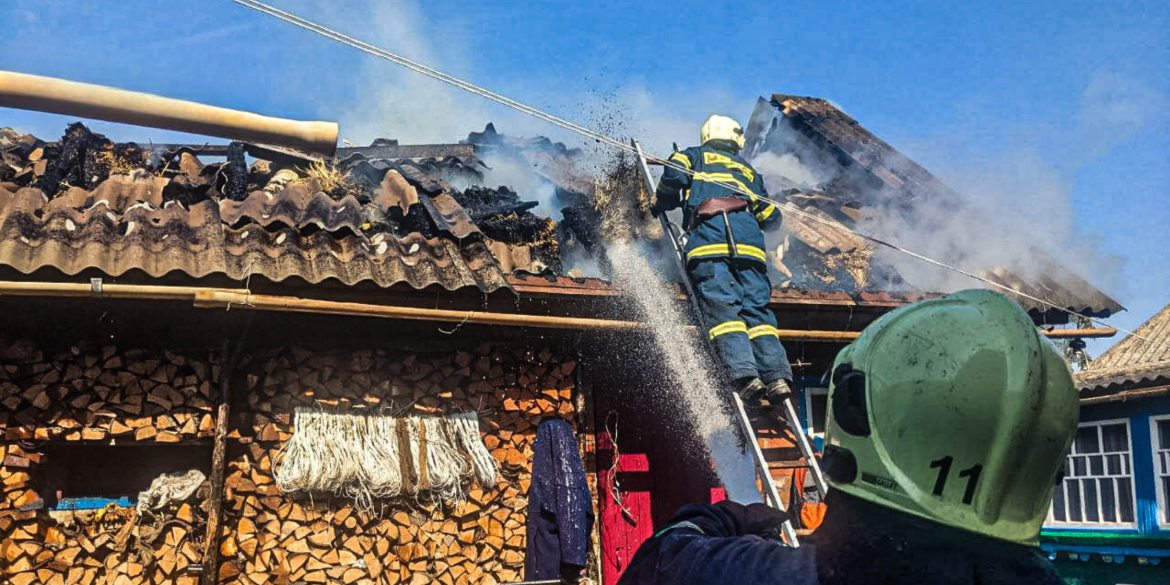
(1141, 359)
(117, 212)
(871, 176)
(431, 215)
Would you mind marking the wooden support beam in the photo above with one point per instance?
(231, 357)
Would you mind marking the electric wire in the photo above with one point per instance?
(618, 144)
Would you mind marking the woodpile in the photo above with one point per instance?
(126, 397)
(105, 397)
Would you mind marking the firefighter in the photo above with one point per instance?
(948, 423)
(723, 216)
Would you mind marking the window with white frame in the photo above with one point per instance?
(816, 400)
(1097, 487)
(1160, 437)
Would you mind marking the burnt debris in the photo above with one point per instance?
(84, 159)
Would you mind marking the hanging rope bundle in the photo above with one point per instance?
(368, 456)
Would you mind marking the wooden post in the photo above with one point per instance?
(219, 460)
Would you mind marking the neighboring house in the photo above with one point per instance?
(160, 313)
(1110, 517)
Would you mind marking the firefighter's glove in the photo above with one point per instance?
(758, 519)
(657, 209)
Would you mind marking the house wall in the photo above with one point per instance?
(123, 399)
(1133, 555)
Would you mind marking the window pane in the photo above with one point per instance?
(1097, 465)
(1125, 497)
(1079, 467)
(1090, 493)
(1113, 464)
(1116, 438)
(1074, 500)
(1108, 500)
(1164, 434)
(1086, 440)
(819, 402)
(1166, 493)
(1058, 503)
(1162, 467)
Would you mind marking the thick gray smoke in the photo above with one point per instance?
(1014, 209)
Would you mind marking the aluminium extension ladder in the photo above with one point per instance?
(771, 496)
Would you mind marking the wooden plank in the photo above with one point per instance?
(219, 458)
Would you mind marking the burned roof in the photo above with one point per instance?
(861, 180)
(1141, 359)
(112, 209)
(431, 215)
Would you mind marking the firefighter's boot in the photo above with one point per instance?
(750, 390)
(777, 392)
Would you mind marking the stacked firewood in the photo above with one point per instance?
(120, 397)
(105, 395)
(323, 538)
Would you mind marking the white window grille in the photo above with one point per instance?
(1160, 437)
(816, 401)
(1097, 488)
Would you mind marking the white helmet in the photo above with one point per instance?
(721, 128)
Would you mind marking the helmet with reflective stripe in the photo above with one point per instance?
(955, 410)
(721, 128)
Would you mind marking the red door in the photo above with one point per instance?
(625, 524)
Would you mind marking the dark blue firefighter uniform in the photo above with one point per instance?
(704, 544)
(733, 292)
(860, 543)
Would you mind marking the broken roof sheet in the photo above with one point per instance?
(823, 256)
(176, 220)
(1141, 359)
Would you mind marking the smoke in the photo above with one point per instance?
(1114, 108)
(1015, 204)
(784, 168)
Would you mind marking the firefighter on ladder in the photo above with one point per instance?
(724, 219)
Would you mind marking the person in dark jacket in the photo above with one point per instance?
(560, 509)
(724, 218)
(948, 424)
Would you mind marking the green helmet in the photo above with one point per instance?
(955, 410)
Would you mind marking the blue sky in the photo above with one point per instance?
(1054, 110)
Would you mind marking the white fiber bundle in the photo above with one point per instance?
(367, 456)
(446, 466)
(464, 428)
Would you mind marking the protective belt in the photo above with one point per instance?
(720, 206)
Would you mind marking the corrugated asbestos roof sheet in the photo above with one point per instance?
(851, 143)
(861, 146)
(123, 225)
(1134, 360)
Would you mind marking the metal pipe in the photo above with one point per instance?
(208, 297)
(58, 96)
